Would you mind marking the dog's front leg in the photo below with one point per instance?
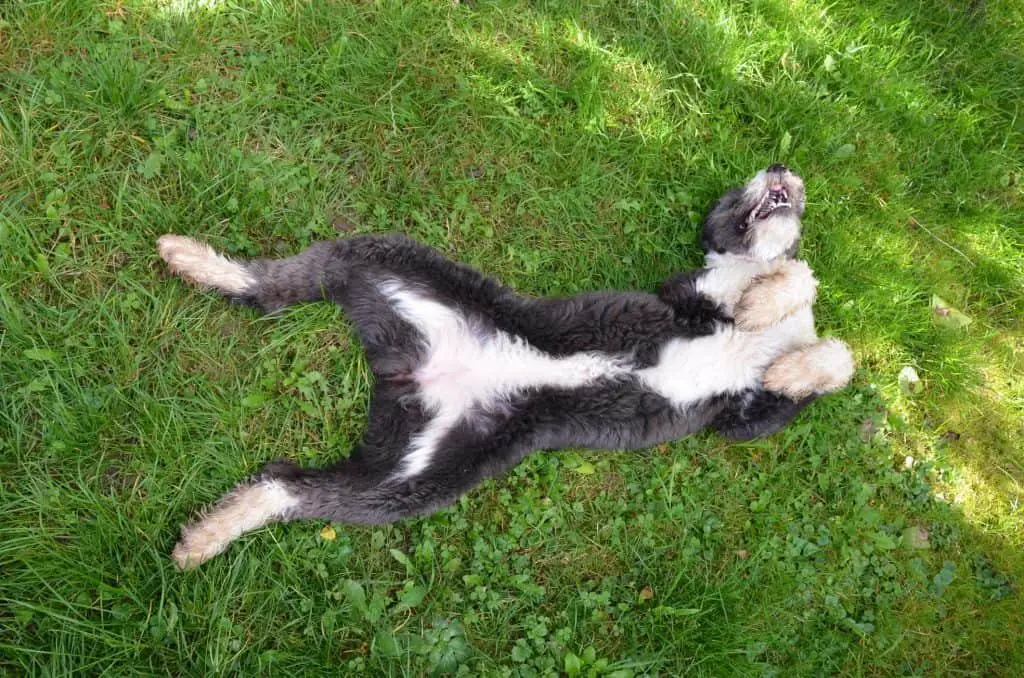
(825, 366)
(775, 295)
(695, 310)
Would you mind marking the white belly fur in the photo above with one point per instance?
(465, 369)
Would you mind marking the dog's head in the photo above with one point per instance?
(760, 220)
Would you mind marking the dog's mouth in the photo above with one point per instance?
(776, 197)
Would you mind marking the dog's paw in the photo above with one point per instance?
(249, 506)
(773, 296)
(198, 544)
(823, 367)
(197, 262)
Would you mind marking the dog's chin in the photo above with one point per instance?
(775, 235)
(759, 221)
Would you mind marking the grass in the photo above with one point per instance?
(562, 147)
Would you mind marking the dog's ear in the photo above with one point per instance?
(722, 228)
(696, 313)
(708, 242)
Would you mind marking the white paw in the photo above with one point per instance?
(824, 367)
(775, 295)
(242, 510)
(199, 263)
(198, 544)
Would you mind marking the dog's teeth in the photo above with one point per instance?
(760, 211)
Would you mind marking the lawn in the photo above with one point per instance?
(562, 147)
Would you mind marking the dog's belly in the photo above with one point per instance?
(468, 369)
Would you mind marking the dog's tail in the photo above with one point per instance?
(347, 493)
(267, 284)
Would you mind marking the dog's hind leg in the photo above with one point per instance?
(355, 491)
(367, 275)
(350, 492)
(366, 488)
(822, 367)
(268, 284)
(347, 271)
(372, 486)
(249, 506)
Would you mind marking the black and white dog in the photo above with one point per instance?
(471, 377)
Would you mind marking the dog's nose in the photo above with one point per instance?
(778, 168)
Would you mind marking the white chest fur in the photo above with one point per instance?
(730, 360)
(727, 276)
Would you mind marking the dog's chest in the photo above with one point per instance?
(728, 361)
(726, 283)
(731, 360)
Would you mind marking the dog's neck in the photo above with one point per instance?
(729, 259)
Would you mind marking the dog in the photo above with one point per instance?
(471, 377)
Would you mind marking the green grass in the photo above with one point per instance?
(562, 147)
